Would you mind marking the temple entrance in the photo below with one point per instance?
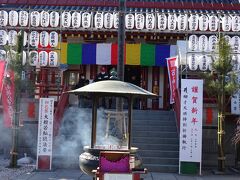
(132, 74)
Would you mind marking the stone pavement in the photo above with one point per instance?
(75, 174)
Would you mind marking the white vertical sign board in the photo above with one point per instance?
(191, 121)
(45, 130)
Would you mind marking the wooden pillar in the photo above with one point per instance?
(93, 71)
(130, 107)
(94, 121)
(143, 84)
(155, 87)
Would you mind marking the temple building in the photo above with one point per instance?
(67, 38)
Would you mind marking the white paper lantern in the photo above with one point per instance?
(24, 58)
(203, 23)
(193, 43)
(115, 20)
(202, 62)
(35, 18)
(150, 21)
(234, 62)
(3, 55)
(86, 20)
(43, 58)
(235, 23)
(182, 22)
(11, 54)
(66, 19)
(139, 21)
(193, 22)
(3, 18)
(238, 59)
(12, 38)
(53, 59)
(44, 19)
(44, 37)
(235, 44)
(212, 43)
(192, 62)
(203, 43)
(226, 23)
(209, 63)
(53, 39)
(213, 23)
(172, 22)
(76, 19)
(33, 58)
(25, 38)
(228, 39)
(108, 20)
(13, 18)
(34, 38)
(129, 21)
(23, 18)
(162, 21)
(98, 20)
(54, 19)
(3, 37)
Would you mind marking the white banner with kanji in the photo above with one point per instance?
(45, 133)
(172, 65)
(191, 120)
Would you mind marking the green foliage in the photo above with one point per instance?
(15, 64)
(222, 78)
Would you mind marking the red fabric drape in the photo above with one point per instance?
(114, 55)
(2, 68)
(31, 110)
(209, 116)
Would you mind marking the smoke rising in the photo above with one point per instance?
(75, 133)
(5, 140)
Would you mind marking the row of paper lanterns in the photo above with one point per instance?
(44, 39)
(35, 58)
(203, 43)
(109, 20)
(204, 62)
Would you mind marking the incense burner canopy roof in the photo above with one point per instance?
(113, 88)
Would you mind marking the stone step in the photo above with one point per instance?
(60, 161)
(152, 113)
(160, 161)
(155, 122)
(153, 128)
(161, 168)
(155, 140)
(162, 147)
(155, 134)
(158, 153)
(152, 118)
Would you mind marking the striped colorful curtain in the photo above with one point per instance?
(107, 54)
(89, 54)
(114, 54)
(74, 53)
(147, 54)
(133, 54)
(63, 52)
(103, 54)
(162, 52)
